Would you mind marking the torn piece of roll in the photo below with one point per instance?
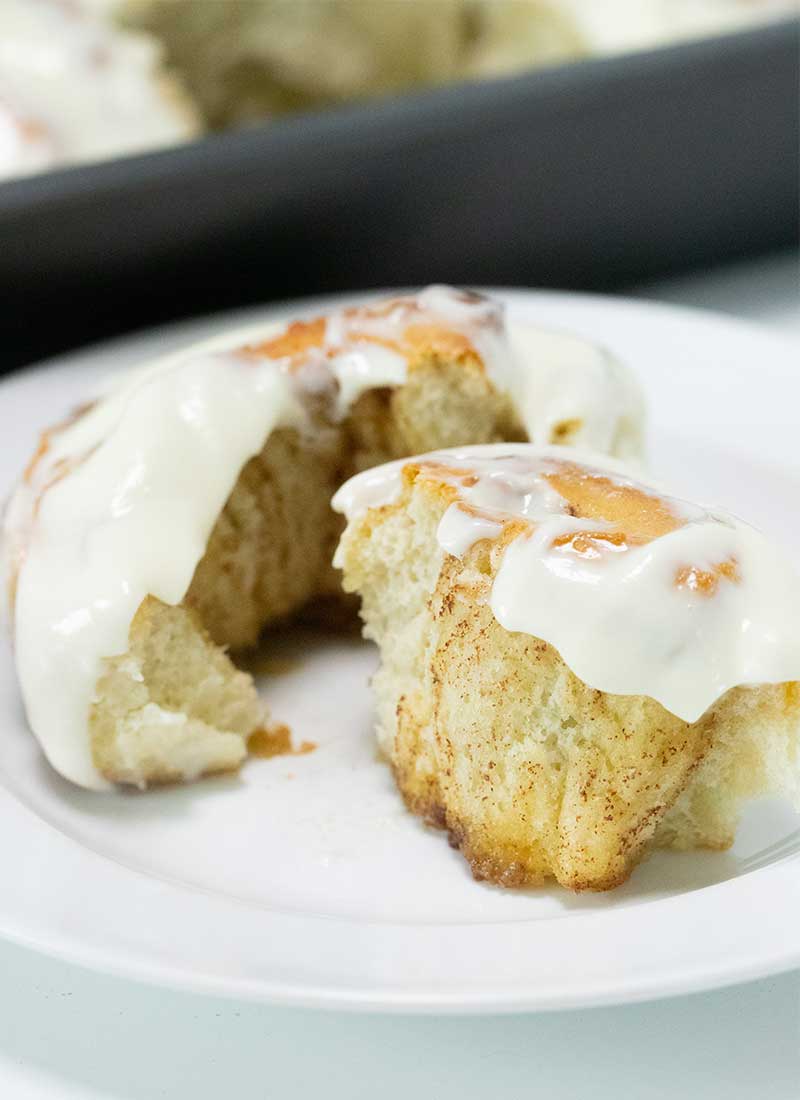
(575, 667)
(189, 507)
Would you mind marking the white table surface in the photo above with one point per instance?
(66, 1032)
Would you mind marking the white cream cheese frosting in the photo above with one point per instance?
(73, 87)
(648, 595)
(120, 502)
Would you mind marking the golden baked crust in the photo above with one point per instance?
(534, 774)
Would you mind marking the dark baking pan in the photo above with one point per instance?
(588, 175)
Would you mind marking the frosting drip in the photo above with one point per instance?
(564, 388)
(641, 593)
(119, 502)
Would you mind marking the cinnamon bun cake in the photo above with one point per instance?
(74, 87)
(575, 666)
(179, 514)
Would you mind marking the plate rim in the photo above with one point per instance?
(662, 984)
(780, 881)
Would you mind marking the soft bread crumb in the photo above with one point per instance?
(534, 774)
(175, 707)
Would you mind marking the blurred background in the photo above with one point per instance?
(167, 158)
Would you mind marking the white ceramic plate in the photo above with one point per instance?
(304, 880)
